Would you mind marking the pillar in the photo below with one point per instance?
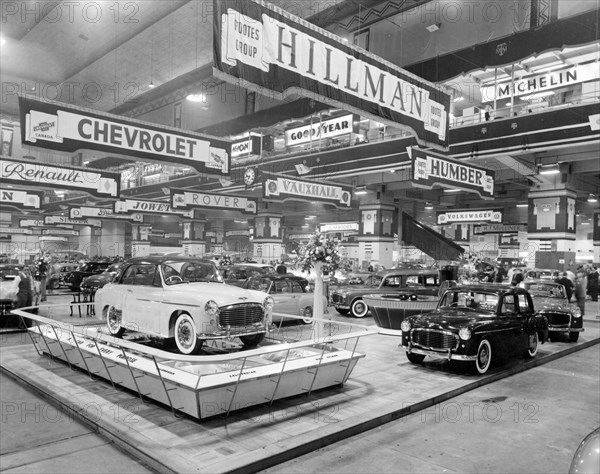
(377, 223)
(193, 242)
(596, 236)
(140, 240)
(267, 234)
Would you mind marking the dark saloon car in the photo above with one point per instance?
(476, 323)
(74, 279)
(550, 299)
(237, 274)
(91, 284)
(349, 299)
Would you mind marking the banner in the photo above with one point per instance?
(148, 207)
(284, 188)
(499, 228)
(102, 212)
(62, 127)
(264, 48)
(68, 220)
(470, 215)
(430, 170)
(97, 183)
(59, 232)
(319, 130)
(31, 222)
(21, 198)
(338, 226)
(190, 200)
(14, 230)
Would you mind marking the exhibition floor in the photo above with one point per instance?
(384, 386)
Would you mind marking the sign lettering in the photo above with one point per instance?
(473, 215)
(21, 198)
(307, 191)
(185, 199)
(148, 207)
(87, 211)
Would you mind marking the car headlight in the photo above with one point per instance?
(464, 334)
(405, 326)
(211, 308)
(576, 311)
(268, 303)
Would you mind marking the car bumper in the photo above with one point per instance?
(564, 329)
(448, 354)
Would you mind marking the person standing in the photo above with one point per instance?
(42, 266)
(580, 290)
(565, 281)
(24, 286)
(593, 284)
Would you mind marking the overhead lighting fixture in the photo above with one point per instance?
(225, 182)
(196, 96)
(428, 206)
(302, 169)
(361, 190)
(523, 205)
(592, 198)
(549, 169)
(458, 99)
(585, 223)
(166, 191)
(434, 27)
(453, 190)
(310, 217)
(151, 85)
(2, 41)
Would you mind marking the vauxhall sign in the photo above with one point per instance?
(284, 188)
(57, 126)
(431, 170)
(264, 48)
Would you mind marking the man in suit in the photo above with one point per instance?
(567, 283)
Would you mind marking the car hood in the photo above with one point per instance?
(8, 289)
(450, 320)
(552, 304)
(220, 293)
(97, 279)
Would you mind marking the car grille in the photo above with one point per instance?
(241, 315)
(337, 299)
(558, 319)
(434, 339)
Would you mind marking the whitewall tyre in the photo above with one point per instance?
(359, 309)
(114, 322)
(532, 348)
(484, 357)
(186, 339)
(307, 313)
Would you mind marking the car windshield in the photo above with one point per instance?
(189, 272)
(468, 299)
(546, 291)
(259, 283)
(373, 280)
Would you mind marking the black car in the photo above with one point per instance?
(74, 279)
(237, 274)
(476, 323)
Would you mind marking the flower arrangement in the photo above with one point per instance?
(42, 264)
(319, 249)
(225, 260)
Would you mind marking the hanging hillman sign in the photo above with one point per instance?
(103, 212)
(21, 198)
(295, 189)
(148, 207)
(191, 200)
(430, 170)
(97, 183)
(265, 49)
(469, 215)
(63, 127)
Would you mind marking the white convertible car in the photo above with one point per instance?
(182, 298)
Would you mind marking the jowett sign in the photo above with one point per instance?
(102, 212)
(98, 183)
(471, 215)
(284, 188)
(431, 170)
(148, 207)
(60, 127)
(186, 199)
(21, 198)
(499, 228)
(325, 129)
(264, 48)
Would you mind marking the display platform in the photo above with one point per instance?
(384, 386)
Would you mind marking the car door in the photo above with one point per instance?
(513, 323)
(143, 299)
(283, 297)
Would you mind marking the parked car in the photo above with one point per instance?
(9, 286)
(476, 323)
(550, 299)
(182, 298)
(291, 295)
(74, 278)
(58, 273)
(587, 456)
(237, 274)
(541, 274)
(412, 281)
(89, 285)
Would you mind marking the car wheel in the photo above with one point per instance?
(342, 311)
(252, 341)
(484, 356)
(113, 322)
(55, 285)
(415, 358)
(307, 313)
(186, 338)
(573, 336)
(359, 309)
(533, 345)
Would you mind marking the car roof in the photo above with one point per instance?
(279, 276)
(165, 258)
(489, 287)
(542, 281)
(408, 271)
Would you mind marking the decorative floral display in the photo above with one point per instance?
(42, 265)
(319, 249)
(225, 260)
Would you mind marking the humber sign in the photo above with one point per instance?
(264, 48)
(431, 170)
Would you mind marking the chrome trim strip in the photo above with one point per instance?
(494, 330)
(442, 355)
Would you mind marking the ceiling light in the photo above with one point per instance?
(453, 190)
(2, 41)
(151, 85)
(585, 223)
(433, 27)
(225, 182)
(310, 217)
(458, 99)
(196, 96)
(549, 169)
(592, 198)
(523, 205)
(428, 206)
(302, 169)
(361, 190)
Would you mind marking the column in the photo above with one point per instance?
(376, 226)
(214, 235)
(551, 228)
(193, 241)
(267, 234)
(596, 235)
(140, 240)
